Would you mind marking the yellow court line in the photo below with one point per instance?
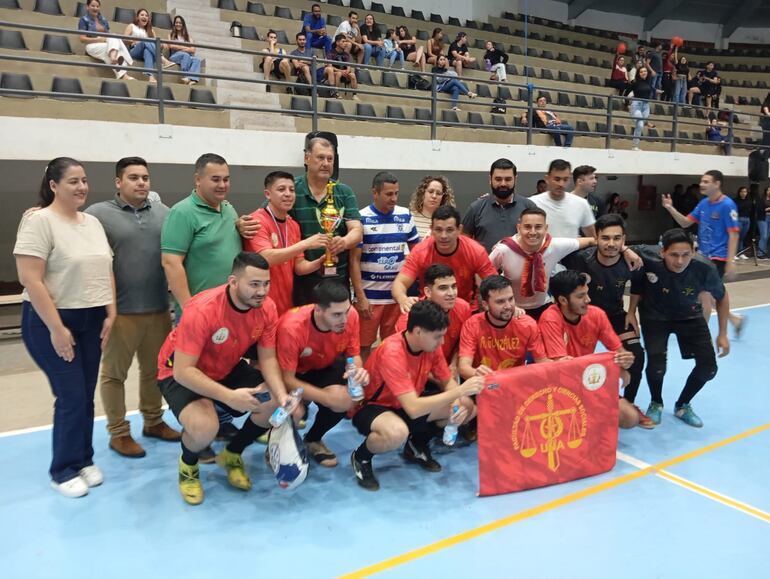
(545, 507)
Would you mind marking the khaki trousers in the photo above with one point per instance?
(133, 334)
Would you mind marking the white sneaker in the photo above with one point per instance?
(92, 475)
(73, 488)
(743, 256)
(635, 149)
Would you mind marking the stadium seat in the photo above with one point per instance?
(48, 7)
(365, 110)
(581, 101)
(449, 117)
(395, 113)
(80, 9)
(534, 36)
(755, 102)
(503, 92)
(283, 12)
(503, 30)
(364, 77)
(515, 49)
(162, 20)
(390, 79)
(598, 103)
(418, 15)
(255, 8)
(453, 21)
(114, 88)
(12, 39)
(357, 5)
(549, 38)
(333, 20)
(579, 79)
(564, 76)
(226, 5)
(282, 38)
(479, 43)
(152, 93)
(483, 91)
(397, 11)
(601, 128)
(377, 7)
(563, 100)
(202, 96)
(472, 24)
(334, 107)
(686, 112)
(592, 62)
(546, 74)
(422, 35)
(436, 18)
(577, 59)
(653, 133)
(582, 127)
(523, 95)
(530, 72)
(547, 54)
(563, 57)
(533, 52)
(499, 121)
(422, 114)
(57, 44)
(511, 69)
(487, 27)
(66, 85)
(16, 81)
(592, 46)
(301, 104)
(249, 33)
(335, 2)
(742, 100)
(596, 81)
(124, 15)
(619, 130)
(475, 118)
(10, 4)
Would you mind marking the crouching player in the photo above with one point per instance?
(396, 410)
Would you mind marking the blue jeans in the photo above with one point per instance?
(321, 42)
(640, 111)
(745, 224)
(454, 87)
(144, 51)
(187, 63)
(559, 130)
(764, 229)
(377, 51)
(395, 54)
(680, 91)
(73, 384)
(657, 82)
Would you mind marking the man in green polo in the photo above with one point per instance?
(311, 198)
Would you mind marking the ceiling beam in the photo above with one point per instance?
(659, 12)
(739, 17)
(577, 7)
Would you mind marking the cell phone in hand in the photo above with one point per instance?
(262, 397)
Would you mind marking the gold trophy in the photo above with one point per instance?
(329, 217)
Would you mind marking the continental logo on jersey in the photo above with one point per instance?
(256, 334)
(500, 344)
(651, 277)
(220, 336)
(341, 347)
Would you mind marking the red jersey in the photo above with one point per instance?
(457, 316)
(562, 338)
(276, 234)
(469, 259)
(394, 371)
(500, 348)
(217, 333)
(303, 347)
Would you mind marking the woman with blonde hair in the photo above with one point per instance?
(432, 192)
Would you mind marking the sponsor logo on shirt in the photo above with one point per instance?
(504, 343)
(306, 352)
(220, 336)
(651, 277)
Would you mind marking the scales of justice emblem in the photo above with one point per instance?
(329, 217)
(562, 425)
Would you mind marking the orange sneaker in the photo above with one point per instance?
(644, 420)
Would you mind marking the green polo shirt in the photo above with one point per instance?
(305, 212)
(206, 237)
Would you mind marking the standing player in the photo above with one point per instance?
(200, 368)
(397, 409)
(389, 234)
(718, 232)
(668, 299)
(314, 342)
(584, 178)
(568, 214)
(494, 339)
(446, 245)
(279, 241)
(440, 287)
(571, 328)
(608, 275)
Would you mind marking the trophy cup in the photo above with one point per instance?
(329, 217)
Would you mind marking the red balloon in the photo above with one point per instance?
(621, 48)
(677, 41)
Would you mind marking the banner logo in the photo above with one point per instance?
(594, 376)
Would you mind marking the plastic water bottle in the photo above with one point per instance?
(355, 389)
(450, 430)
(281, 413)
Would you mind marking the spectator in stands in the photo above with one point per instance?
(64, 262)
(495, 61)
(640, 56)
(458, 54)
(184, 54)
(541, 186)
(667, 84)
(654, 61)
(275, 63)
(435, 46)
(681, 77)
(408, 44)
(432, 192)
(616, 205)
(447, 82)
(144, 49)
(745, 210)
(392, 48)
(302, 67)
(708, 85)
(714, 133)
(640, 106)
(315, 25)
(108, 50)
(343, 73)
(619, 77)
(372, 39)
(350, 29)
(545, 119)
(764, 121)
(763, 223)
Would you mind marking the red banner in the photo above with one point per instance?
(545, 424)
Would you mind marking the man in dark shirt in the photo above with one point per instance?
(669, 300)
(494, 217)
(458, 54)
(654, 62)
(585, 181)
(608, 275)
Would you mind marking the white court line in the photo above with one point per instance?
(697, 488)
(750, 307)
(21, 431)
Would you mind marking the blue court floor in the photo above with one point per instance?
(680, 503)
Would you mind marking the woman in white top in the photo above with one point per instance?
(431, 193)
(108, 50)
(64, 263)
(144, 49)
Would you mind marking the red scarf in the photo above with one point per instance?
(533, 278)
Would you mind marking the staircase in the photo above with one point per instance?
(206, 27)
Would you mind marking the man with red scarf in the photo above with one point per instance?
(528, 259)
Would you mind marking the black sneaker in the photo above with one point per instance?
(421, 456)
(226, 432)
(364, 473)
(207, 455)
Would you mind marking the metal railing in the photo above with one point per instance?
(611, 111)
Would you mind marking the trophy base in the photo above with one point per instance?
(329, 271)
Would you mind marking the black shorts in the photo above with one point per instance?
(535, 313)
(720, 265)
(328, 376)
(178, 396)
(363, 419)
(693, 336)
